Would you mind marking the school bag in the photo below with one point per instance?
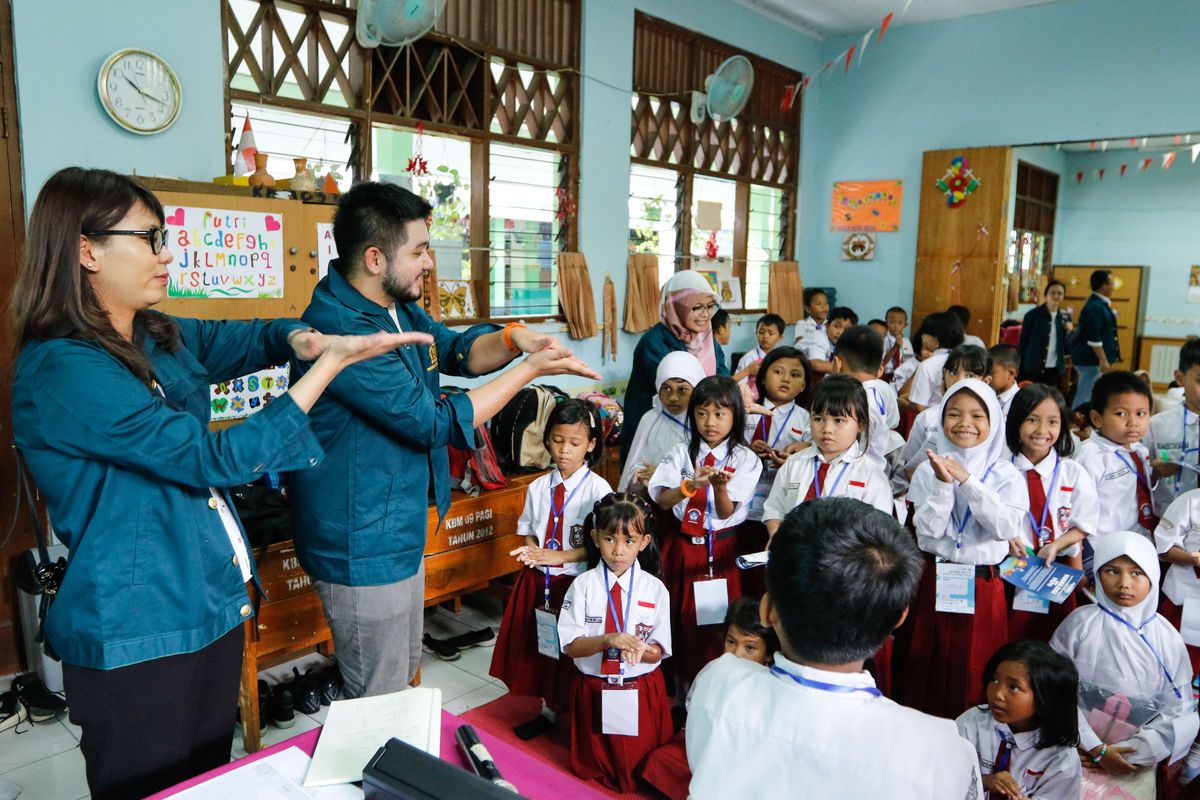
(519, 427)
(611, 415)
(475, 469)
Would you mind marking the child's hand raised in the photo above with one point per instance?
(719, 477)
(1004, 784)
(761, 448)
(752, 405)
(947, 469)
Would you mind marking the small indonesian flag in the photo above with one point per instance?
(1168, 160)
(243, 158)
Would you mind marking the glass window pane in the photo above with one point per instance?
(652, 215)
(286, 135)
(763, 241)
(713, 190)
(523, 227)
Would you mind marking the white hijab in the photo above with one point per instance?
(679, 365)
(991, 450)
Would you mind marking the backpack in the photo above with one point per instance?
(477, 468)
(611, 415)
(518, 429)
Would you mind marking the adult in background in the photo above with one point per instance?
(1094, 347)
(840, 579)
(359, 519)
(686, 307)
(110, 408)
(1043, 342)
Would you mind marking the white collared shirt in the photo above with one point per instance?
(1006, 398)
(906, 352)
(804, 329)
(817, 346)
(746, 360)
(582, 490)
(756, 733)
(1052, 346)
(789, 424)
(237, 542)
(970, 338)
(998, 514)
(1167, 433)
(1110, 464)
(921, 436)
(1180, 527)
(586, 603)
(884, 410)
(927, 388)
(1047, 773)
(903, 372)
(656, 436)
(1073, 504)
(850, 474)
(746, 468)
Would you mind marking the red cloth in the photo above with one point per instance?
(553, 538)
(1146, 516)
(1037, 505)
(819, 477)
(1174, 615)
(1011, 334)
(762, 431)
(694, 523)
(684, 563)
(612, 760)
(940, 656)
(880, 666)
(516, 659)
(667, 770)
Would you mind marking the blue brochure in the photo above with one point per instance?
(1054, 583)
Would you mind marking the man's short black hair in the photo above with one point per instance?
(943, 326)
(1005, 355)
(774, 320)
(720, 319)
(840, 576)
(861, 349)
(1189, 354)
(1113, 384)
(1098, 279)
(374, 214)
(842, 312)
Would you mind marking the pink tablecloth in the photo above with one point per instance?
(535, 779)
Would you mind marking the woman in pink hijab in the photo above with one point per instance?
(686, 308)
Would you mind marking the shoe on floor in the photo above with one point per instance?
(281, 706)
(480, 638)
(41, 703)
(329, 683)
(12, 712)
(306, 692)
(533, 728)
(440, 648)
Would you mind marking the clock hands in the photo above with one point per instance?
(142, 93)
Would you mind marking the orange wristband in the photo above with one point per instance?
(683, 489)
(508, 342)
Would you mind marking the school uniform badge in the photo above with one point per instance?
(1064, 519)
(643, 631)
(693, 515)
(576, 536)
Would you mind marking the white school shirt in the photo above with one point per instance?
(884, 411)
(903, 372)
(677, 465)
(657, 434)
(757, 733)
(975, 340)
(1074, 503)
(805, 329)
(1006, 398)
(882, 396)
(927, 386)
(906, 352)
(998, 510)
(921, 436)
(1180, 527)
(789, 424)
(862, 480)
(1167, 432)
(582, 490)
(1047, 773)
(746, 360)
(1109, 465)
(817, 346)
(586, 604)
(1052, 346)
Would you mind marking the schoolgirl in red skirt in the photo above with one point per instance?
(970, 503)
(553, 554)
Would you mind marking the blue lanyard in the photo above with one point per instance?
(879, 403)
(612, 609)
(782, 427)
(817, 477)
(966, 517)
(1002, 763)
(1142, 479)
(1040, 525)
(556, 544)
(1138, 630)
(686, 427)
(710, 507)
(836, 688)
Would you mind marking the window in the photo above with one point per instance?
(652, 215)
(764, 241)
(287, 135)
(523, 226)
(715, 196)
(1031, 242)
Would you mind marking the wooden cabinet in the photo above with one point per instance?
(1128, 301)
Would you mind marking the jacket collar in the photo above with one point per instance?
(341, 289)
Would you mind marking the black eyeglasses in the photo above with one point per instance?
(709, 309)
(157, 237)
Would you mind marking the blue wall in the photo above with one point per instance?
(1070, 71)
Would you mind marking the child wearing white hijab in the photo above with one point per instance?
(1135, 694)
(970, 502)
(662, 429)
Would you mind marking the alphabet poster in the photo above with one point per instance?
(872, 206)
(225, 254)
(241, 397)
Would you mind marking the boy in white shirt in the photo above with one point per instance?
(1175, 433)
(940, 332)
(821, 345)
(840, 578)
(768, 332)
(859, 356)
(1006, 363)
(816, 309)
(897, 351)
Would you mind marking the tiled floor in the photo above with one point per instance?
(44, 760)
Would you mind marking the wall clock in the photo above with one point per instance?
(140, 91)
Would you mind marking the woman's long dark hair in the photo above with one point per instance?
(621, 512)
(53, 298)
(1023, 404)
(723, 391)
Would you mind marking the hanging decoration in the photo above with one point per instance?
(417, 166)
(1168, 160)
(958, 182)
(858, 247)
(566, 205)
(710, 245)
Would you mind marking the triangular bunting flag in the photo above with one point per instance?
(862, 48)
(1195, 152)
(1079, 177)
(1123, 168)
(828, 66)
(1145, 165)
(1168, 160)
(1091, 145)
(1178, 139)
(789, 95)
(1104, 146)
(884, 25)
(1100, 173)
(1132, 142)
(849, 58)
(243, 159)
(904, 10)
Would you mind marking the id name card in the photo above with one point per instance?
(712, 601)
(619, 711)
(1028, 601)
(547, 632)
(955, 584)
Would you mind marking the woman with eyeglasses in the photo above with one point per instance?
(687, 304)
(110, 407)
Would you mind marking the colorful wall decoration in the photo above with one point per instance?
(241, 397)
(872, 206)
(224, 254)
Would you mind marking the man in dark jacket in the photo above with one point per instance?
(1094, 349)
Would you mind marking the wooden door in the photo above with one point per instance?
(960, 251)
(1128, 302)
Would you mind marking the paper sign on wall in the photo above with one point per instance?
(866, 206)
(326, 248)
(224, 254)
(241, 397)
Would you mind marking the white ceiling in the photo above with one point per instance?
(823, 18)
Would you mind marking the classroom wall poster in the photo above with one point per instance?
(326, 248)
(224, 254)
(241, 397)
(1193, 293)
(872, 206)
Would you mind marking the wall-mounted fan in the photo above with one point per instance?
(395, 23)
(725, 91)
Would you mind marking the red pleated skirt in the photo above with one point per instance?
(516, 659)
(1174, 615)
(684, 563)
(940, 656)
(1028, 625)
(667, 770)
(614, 760)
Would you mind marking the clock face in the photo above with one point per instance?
(139, 91)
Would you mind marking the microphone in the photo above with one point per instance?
(479, 758)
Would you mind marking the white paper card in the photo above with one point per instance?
(708, 215)
(1028, 601)
(619, 712)
(712, 601)
(1190, 625)
(547, 632)
(955, 585)
(355, 729)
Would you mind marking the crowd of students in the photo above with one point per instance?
(645, 589)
